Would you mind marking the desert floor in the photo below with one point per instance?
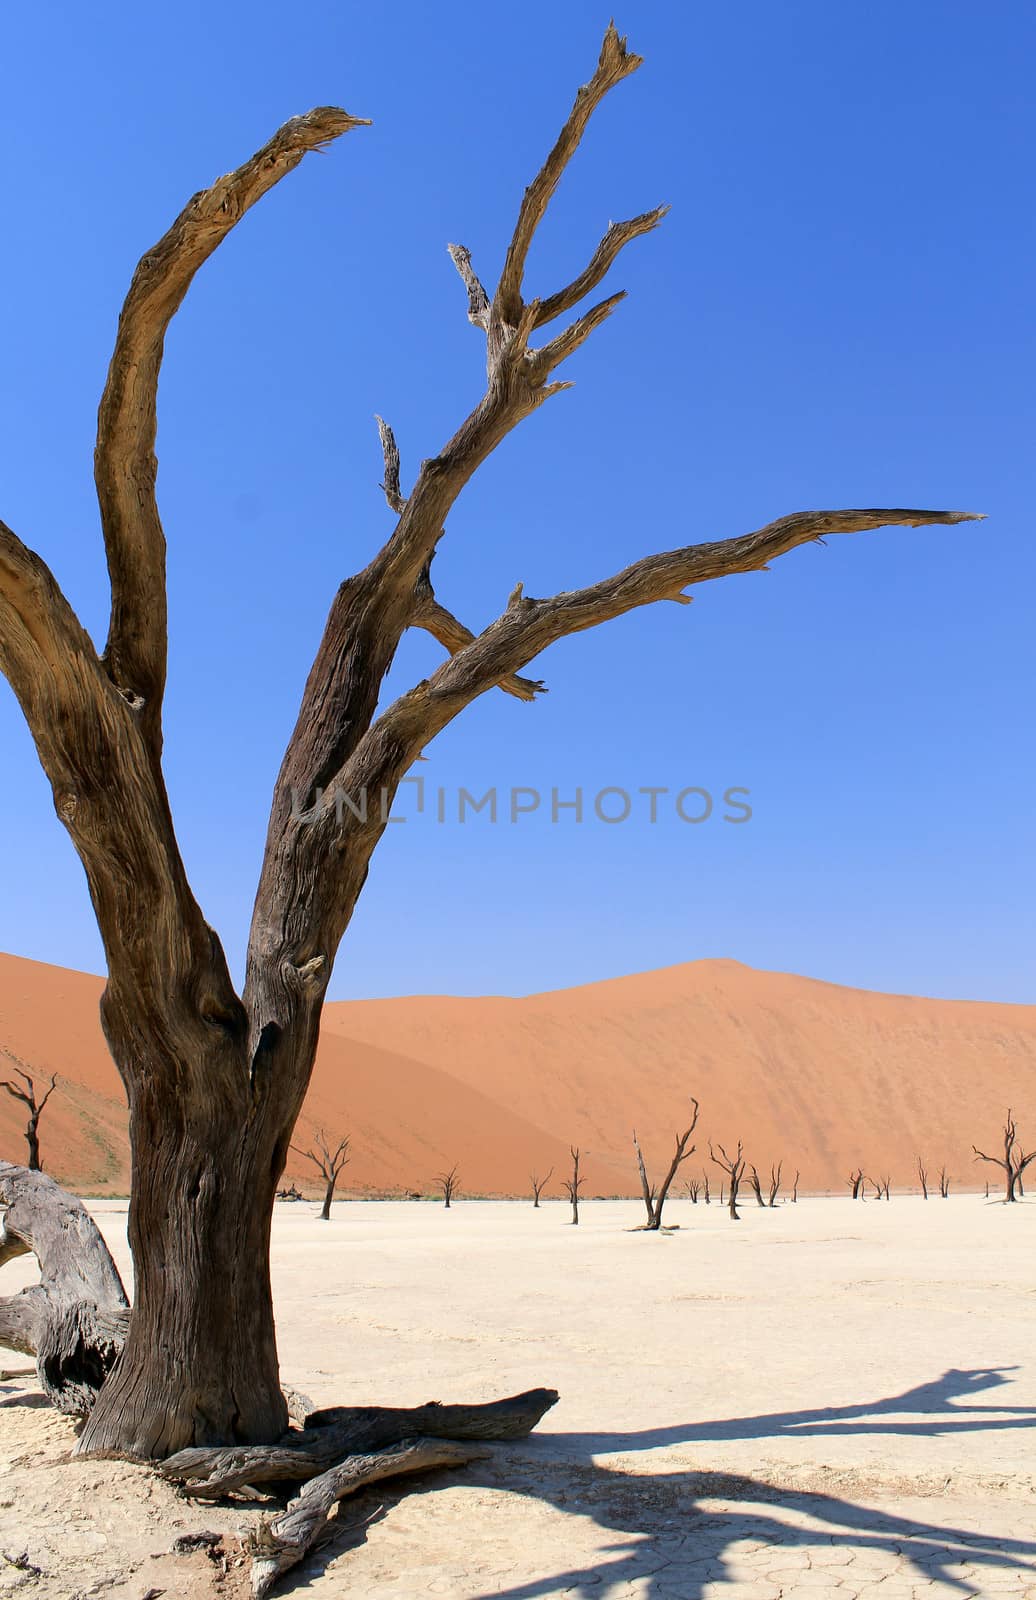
(829, 1399)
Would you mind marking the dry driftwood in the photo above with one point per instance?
(329, 1436)
(282, 1543)
(74, 1320)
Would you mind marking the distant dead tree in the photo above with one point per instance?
(756, 1187)
(1013, 1161)
(922, 1173)
(987, 1189)
(328, 1163)
(881, 1187)
(538, 1186)
(26, 1093)
(734, 1167)
(795, 1189)
(855, 1182)
(449, 1183)
(944, 1183)
(573, 1185)
(705, 1194)
(693, 1187)
(654, 1199)
(775, 1184)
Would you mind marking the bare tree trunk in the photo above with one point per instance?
(573, 1185)
(205, 1172)
(646, 1190)
(756, 1187)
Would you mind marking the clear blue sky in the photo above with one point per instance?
(837, 312)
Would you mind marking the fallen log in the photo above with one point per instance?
(331, 1435)
(74, 1320)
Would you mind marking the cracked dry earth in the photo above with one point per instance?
(830, 1400)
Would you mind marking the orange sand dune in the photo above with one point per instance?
(819, 1076)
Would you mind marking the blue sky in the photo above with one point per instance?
(837, 312)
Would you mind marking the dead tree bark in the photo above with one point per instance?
(795, 1189)
(1013, 1161)
(215, 1080)
(538, 1186)
(944, 1183)
(654, 1199)
(775, 1184)
(922, 1175)
(734, 1167)
(573, 1185)
(855, 1181)
(448, 1182)
(329, 1164)
(756, 1187)
(339, 1451)
(74, 1321)
(26, 1093)
(705, 1192)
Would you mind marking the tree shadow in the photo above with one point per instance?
(675, 1542)
(680, 1549)
(928, 1408)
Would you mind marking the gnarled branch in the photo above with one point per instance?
(124, 462)
(614, 64)
(74, 1320)
(280, 1545)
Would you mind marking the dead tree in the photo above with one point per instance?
(922, 1174)
(573, 1185)
(1013, 1161)
(26, 1093)
(329, 1164)
(734, 1167)
(693, 1187)
(538, 1186)
(215, 1078)
(775, 1184)
(795, 1189)
(448, 1184)
(756, 1187)
(705, 1194)
(881, 1187)
(855, 1181)
(944, 1183)
(654, 1199)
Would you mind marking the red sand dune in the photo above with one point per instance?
(820, 1076)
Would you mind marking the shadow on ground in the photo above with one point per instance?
(675, 1535)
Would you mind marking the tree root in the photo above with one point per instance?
(282, 1543)
(341, 1450)
(329, 1436)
